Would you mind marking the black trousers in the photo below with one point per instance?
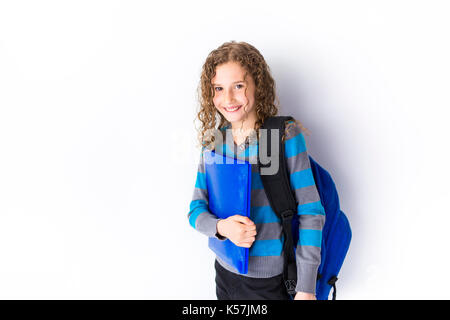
(232, 286)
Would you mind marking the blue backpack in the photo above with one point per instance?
(336, 233)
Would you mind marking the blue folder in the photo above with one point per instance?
(228, 182)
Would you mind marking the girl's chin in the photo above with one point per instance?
(236, 118)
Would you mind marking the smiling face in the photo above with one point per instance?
(234, 95)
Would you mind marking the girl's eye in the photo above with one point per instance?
(239, 86)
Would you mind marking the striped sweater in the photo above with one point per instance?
(265, 255)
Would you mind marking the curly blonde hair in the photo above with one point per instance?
(252, 61)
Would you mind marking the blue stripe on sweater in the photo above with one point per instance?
(302, 178)
(200, 182)
(266, 248)
(226, 150)
(295, 145)
(312, 208)
(251, 151)
(309, 237)
(196, 208)
(256, 181)
(263, 214)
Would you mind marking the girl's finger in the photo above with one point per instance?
(243, 219)
(251, 233)
(245, 244)
(249, 240)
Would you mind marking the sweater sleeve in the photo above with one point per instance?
(309, 208)
(199, 216)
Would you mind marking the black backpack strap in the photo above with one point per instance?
(281, 199)
(332, 282)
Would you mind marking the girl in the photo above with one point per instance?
(237, 93)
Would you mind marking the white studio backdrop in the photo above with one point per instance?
(97, 139)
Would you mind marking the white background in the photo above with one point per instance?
(97, 139)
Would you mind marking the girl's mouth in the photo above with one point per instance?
(233, 109)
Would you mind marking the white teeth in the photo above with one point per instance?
(232, 109)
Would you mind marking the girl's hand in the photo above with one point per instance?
(239, 229)
(305, 296)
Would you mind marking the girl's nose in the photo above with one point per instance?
(228, 97)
